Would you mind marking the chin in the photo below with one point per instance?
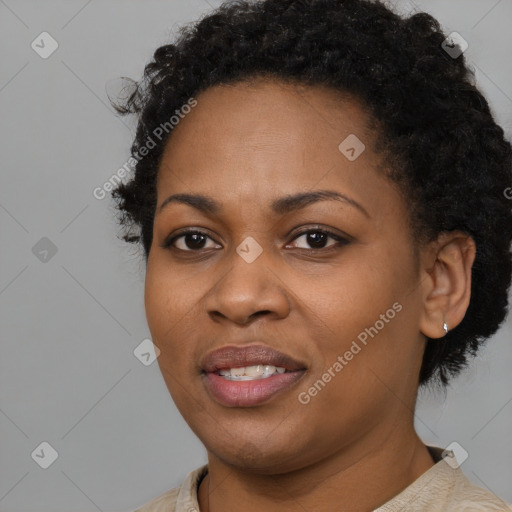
(262, 457)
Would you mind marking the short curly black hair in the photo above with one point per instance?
(443, 147)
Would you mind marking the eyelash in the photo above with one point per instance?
(341, 241)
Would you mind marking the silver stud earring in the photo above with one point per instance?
(445, 327)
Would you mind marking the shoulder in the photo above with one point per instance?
(468, 497)
(461, 494)
(178, 499)
(444, 488)
(163, 503)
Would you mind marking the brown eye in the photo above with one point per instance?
(189, 241)
(317, 239)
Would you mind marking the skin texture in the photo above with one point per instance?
(354, 443)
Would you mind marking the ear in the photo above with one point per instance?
(446, 282)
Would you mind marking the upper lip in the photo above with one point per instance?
(233, 356)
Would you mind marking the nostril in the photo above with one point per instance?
(258, 313)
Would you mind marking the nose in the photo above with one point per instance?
(247, 291)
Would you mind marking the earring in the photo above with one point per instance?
(445, 327)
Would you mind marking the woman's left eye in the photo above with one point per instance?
(317, 239)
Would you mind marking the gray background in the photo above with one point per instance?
(69, 325)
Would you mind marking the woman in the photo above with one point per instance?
(320, 193)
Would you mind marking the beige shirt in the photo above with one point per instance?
(442, 488)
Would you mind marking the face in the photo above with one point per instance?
(328, 280)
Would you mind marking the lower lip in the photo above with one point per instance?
(247, 393)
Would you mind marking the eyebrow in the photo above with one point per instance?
(280, 206)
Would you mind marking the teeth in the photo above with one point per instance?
(252, 372)
(237, 372)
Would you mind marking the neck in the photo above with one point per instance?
(361, 482)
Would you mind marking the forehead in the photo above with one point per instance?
(274, 130)
(263, 108)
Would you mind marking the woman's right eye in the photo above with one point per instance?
(189, 241)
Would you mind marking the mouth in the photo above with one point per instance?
(248, 376)
(255, 372)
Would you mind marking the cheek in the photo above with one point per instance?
(166, 313)
(367, 302)
(166, 305)
(354, 295)
(173, 309)
(156, 302)
(169, 297)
